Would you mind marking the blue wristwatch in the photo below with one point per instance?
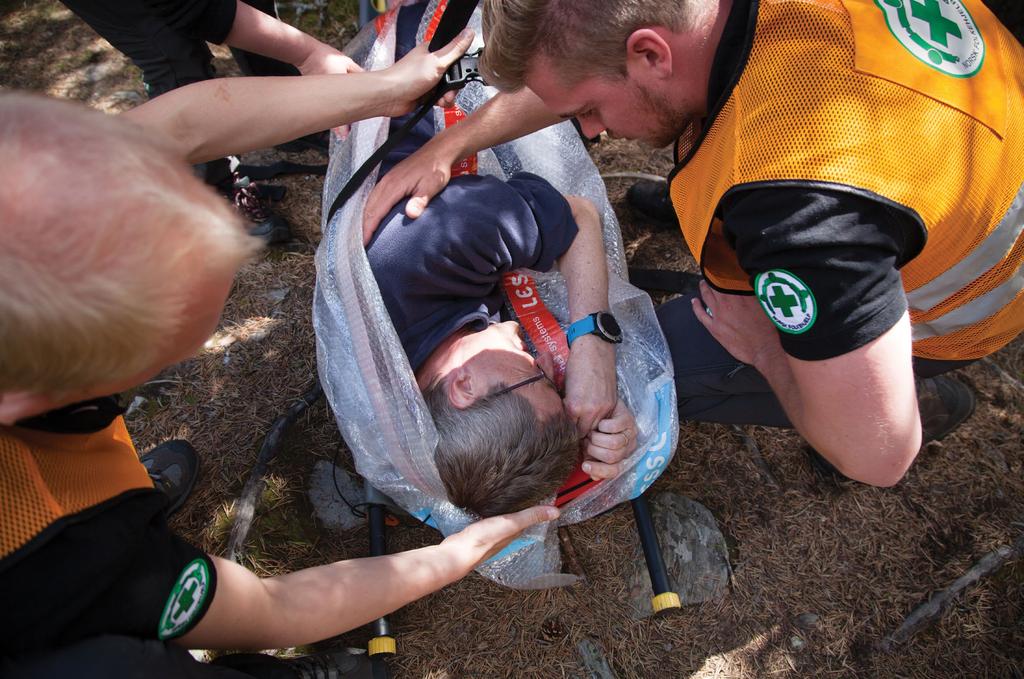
(601, 323)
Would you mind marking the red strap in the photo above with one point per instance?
(435, 21)
(467, 165)
(544, 331)
(548, 338)
(382, 20)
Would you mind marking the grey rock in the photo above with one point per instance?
(796, 643)
(277, 296)
(94, 73)
(694, 550)
(807, 621)
(330, 509)
(594, 662)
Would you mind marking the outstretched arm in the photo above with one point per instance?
(859, 410)
(257, 32)
(425, 173)
(316, 603)
(214, 118)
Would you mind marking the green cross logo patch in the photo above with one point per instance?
(940, 33)
(186, 599)
(788, 302)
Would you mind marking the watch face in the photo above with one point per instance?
(609, 327)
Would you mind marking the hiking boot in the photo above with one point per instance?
(944, 404)
(651, 199)
(174, 467)
(345, 663)
(266, 225)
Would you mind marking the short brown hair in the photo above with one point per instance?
(494, 457)
(102, 226)
(584, 38)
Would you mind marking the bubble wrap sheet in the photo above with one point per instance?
(366, 375)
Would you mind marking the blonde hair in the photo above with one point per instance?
(104, 232)
(583, 38)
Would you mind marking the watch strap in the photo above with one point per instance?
(584, 326)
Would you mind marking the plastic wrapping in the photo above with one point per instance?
(366, 375)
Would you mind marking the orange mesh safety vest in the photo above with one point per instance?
(45, 477)
(919, 102)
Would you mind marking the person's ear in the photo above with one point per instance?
(17, 405)
(461, 388)
(648, 55)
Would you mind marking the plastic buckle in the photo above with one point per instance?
(462, 72)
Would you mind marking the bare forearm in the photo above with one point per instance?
(584, 265)
(504, 118)
(321, 602)
(255, 31)
(858, 410)
(214, 118)
(316, 603)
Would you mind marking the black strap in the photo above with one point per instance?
(84, 417)
(455, 18)
(663, 280)
(360, 175)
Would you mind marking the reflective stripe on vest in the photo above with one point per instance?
(989, 253)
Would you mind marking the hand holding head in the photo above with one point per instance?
(479, 541)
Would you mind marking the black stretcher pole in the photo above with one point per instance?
(664, 596)
(382, 645)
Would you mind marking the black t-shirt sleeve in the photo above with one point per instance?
(845, 248)
(114, 569)
(209, 20)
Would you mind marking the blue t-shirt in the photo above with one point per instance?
(442, 271)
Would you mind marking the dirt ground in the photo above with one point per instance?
(857, 558)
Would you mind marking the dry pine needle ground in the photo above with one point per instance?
(857, 558)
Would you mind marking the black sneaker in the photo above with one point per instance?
(944, 404)
(174, 468)
(651, 199)
(266, 224)
(346, 663)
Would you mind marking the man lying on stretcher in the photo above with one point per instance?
(508, 439)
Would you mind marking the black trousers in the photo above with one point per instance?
(111, 656)
(167, 46)
(165, 43)
(712, 386)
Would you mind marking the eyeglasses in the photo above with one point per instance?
(529, 380)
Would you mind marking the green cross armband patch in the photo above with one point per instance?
(940, 33)
(787, 300)
(186, 600)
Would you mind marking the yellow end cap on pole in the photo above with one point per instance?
(664, 601)
(380, 645)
